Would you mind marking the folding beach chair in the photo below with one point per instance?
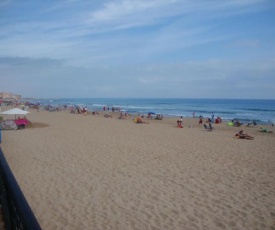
(208, 128)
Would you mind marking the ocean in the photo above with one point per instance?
(261, 111)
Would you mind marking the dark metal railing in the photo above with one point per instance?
(16, 210)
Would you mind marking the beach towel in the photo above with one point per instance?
(264, 130)
(21, 122)
(230, 123)
(8, 125)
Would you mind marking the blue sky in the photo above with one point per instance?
(138, 48)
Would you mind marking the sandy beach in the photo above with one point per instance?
(91, 172)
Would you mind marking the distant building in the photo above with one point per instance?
(7, 95)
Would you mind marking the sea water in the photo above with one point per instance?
(261, 111)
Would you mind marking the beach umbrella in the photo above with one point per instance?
(15, 112)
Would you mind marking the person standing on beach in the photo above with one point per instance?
(200, 121)
(179, 122)
(212, 117)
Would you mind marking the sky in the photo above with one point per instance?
(138, 48)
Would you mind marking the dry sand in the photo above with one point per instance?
(101, 173)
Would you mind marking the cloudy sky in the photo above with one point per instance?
(138, 48)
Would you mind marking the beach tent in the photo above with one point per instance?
(15, 112)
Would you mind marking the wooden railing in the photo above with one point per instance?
(15, 208)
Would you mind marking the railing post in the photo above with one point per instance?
(16, 210)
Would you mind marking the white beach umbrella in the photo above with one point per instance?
(15, 112)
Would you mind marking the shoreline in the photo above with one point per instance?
(184, 107)
(189, 120)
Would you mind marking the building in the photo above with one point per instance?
(7, 95)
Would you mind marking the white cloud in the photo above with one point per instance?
(142, 44)
(247, 43)
(117, 9)
(149, 80)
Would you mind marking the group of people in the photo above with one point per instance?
(159, 117)
(216, 120)
(107, 108)
(242, 135)
(79, 110)
(123, 116)
(239, 135)
(236, 123)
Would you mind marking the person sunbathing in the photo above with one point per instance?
(107, 115)
(121, 116)
(237, 123)
(149, 116)
(242, 135)
(139, 121)
(159, 117)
